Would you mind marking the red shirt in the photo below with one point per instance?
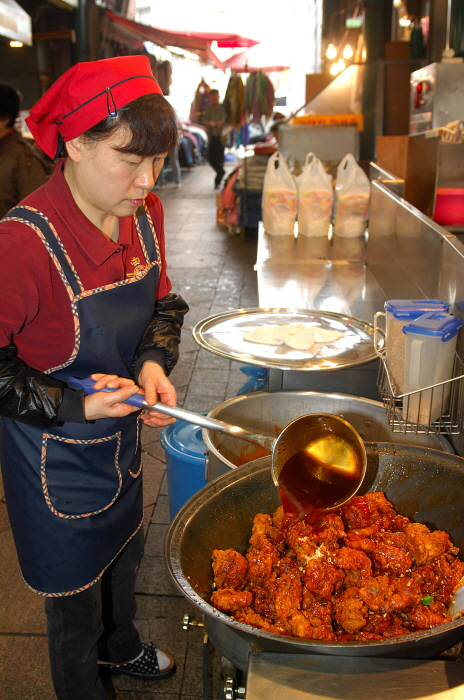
(35, 311)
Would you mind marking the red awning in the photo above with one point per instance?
(198, 43)
(224, 41)
(260, 57)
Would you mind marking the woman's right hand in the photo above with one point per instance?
(104, 404)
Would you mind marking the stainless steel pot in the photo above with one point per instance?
(425, 485)
(268, 413)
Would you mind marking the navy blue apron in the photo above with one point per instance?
(74, 493)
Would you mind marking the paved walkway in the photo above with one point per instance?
(214, 272)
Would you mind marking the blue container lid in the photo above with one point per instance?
(413, 308)
(185, 438)
(435, 324)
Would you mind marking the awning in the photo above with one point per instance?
(15, 23)
(260, 57)
(224, 41)
(198, 43)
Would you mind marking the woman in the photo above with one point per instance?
(92, 298)
(22, 167)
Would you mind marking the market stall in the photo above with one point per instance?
(357, 276)
(340, 282)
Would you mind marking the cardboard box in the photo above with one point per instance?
(218, 200)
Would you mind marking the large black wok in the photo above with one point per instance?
(423, 484)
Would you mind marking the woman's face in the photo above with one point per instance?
(107, 182)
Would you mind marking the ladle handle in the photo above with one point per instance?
(88, 385)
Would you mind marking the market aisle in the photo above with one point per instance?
(214, 272)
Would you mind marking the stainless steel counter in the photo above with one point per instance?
(305, 677)
(317, 273)
(325, 275)
(405, 255)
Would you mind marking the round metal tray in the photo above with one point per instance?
(223, 333)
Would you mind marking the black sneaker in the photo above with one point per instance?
(146, 666)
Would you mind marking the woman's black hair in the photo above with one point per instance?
(151, 122)
(10, 103)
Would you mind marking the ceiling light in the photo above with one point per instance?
(331, 52)
(404, 22)
(16, 44)
(347, 52)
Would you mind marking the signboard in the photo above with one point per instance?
(15, 23)
(330, 119)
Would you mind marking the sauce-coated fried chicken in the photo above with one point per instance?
(229, 601)
(302, 627)
(361, 573)
(350, 610)
(424, 545)
(322, 578)
(262, 557)
(229, 569)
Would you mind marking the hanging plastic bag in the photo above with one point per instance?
(279, 197)
(352, 192)
(257, 381)
(315, 197)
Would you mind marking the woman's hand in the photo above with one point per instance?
(105, 404)
(156, 387)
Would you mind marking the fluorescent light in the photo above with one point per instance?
(16, 44)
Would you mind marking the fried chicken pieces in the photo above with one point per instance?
(361, 573)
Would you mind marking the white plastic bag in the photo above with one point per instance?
(279, 197)
(352, 192)
(315, 196)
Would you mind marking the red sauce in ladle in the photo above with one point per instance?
(309, 486)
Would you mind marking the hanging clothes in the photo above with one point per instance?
(259, 96)
(200, 100)
(234, 107)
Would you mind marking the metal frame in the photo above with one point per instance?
(452, 410)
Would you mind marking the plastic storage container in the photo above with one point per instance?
(430, 352)
(449, 206)
(399, 312)
(185, 462)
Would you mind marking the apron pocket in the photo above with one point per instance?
(80, 477)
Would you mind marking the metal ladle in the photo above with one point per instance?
(335, 445)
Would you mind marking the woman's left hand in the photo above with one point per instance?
(156, 387)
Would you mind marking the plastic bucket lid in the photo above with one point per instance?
(184, 440)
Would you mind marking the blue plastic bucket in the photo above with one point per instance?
(185, 462)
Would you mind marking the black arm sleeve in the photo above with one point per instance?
(160, 341)
(32, 397)
(27, 395)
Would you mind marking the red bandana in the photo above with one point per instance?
(86, 94)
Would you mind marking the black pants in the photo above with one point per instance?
(94, 624)
(216, 157)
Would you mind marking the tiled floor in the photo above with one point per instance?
(214, 272)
